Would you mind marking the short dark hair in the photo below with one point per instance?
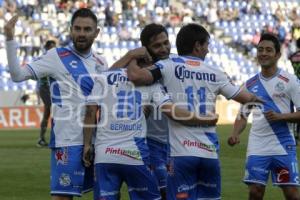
(83, 12)
(188, 36)
(273, 38)
(49, 43)
(151, 30)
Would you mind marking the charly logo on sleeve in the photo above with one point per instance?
(73, 64)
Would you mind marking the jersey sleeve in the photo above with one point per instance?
(159, 95)
(295, 91)
(44, 65)
(164, 67)
(227, 88)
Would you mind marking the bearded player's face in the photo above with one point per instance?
(83, 33)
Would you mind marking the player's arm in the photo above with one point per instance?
(134, 54)
(239, 126)
(17, 72)
(147, 111)
(246, 97)
(142, 76)
(88, 129)
(273, 116)
(239, 94)
(185, 117)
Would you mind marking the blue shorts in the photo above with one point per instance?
(68, 175)
(158, 161)
(193, 178)
(140, 181)
(283, 168)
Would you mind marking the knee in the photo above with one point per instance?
(293, 196)
(291, 193)
(256, 192)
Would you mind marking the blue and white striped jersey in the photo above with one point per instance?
(71, 81)
(280, 93)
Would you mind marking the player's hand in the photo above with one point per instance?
(87, 157)
(9, 28)
(233, 140)
(140, 53)
(147, 111)
(272, 116)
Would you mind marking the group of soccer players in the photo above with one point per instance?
(176, 155)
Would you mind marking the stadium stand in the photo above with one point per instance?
(235, 27)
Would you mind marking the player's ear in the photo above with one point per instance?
(197, 47)
(97, 32)
(278, 55)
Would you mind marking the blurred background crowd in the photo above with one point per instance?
(235, 27)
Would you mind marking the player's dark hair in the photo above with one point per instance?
(151, 30)
(273, 38)
(83, 12)
(188, 36)
(49, 43)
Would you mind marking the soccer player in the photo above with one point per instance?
(121, 151)
(271, 145)
(44, 93)
(295, 60)
(194, 170)
(70, 71)
(154, 39)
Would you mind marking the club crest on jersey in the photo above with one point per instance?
(64, 180)
(73, 64)
(98, 68)
(116, 77)
(279, 87)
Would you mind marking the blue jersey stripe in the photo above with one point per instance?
(280, 128)
(55, 92)
(76, 68)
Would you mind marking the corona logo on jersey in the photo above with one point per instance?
(182, 73)
(116, 77)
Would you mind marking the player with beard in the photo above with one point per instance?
(155, 41)
(70, 70)
(194, 151)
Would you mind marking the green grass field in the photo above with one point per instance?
(24, 168)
